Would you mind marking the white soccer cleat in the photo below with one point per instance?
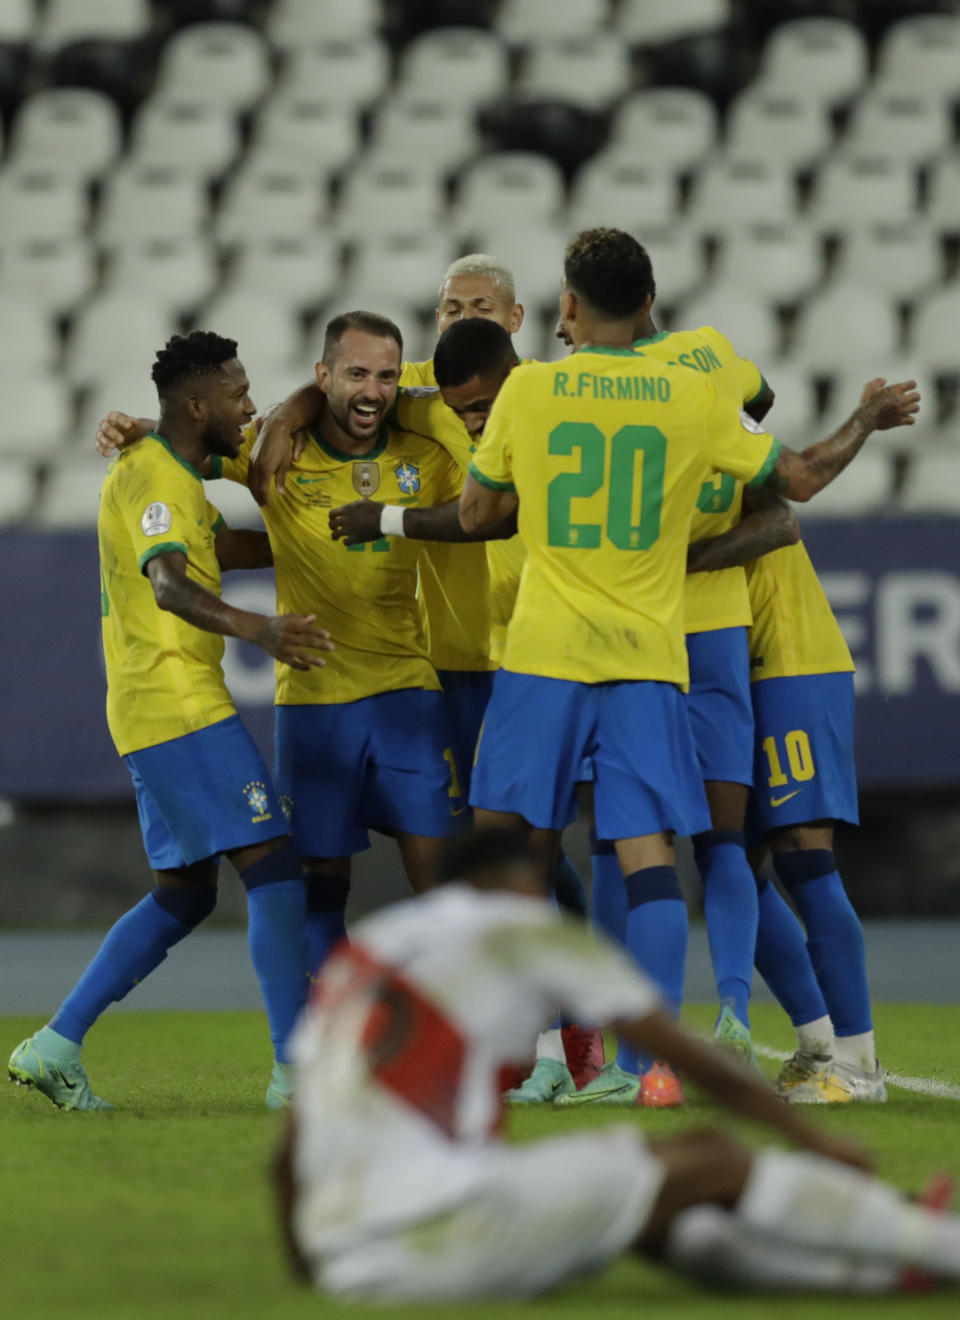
(799, 1068)
(840, 1084)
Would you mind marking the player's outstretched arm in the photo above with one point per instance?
(768, 523)
(882, 407)
(119, 429)
(364, 520)
(289, 638)
(242, 547)
(483, 508)
(277, 443)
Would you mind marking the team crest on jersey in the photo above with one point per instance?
(258, 801)
(286, 806)
(156, 520)
(408, 478)
(366, 479)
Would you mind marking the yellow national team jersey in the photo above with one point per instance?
(794, 630)
(364, 595)
(163, 675)
(607, 451)
(718, 599)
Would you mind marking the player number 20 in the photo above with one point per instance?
(799, 755)
(625, 445)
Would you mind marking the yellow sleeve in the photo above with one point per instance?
(217, 519)
(449, 477)
(492, 464)
(736, 444)
(159, 515)
(235, 469)
(752, 382)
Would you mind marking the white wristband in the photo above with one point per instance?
(391, 520)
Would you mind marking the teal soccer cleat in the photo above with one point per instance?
(66, 1084)
(613, 1086)
(280, 1090)
(549, 1081)
(733, 1035)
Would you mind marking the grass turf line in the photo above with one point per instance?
(161, 1209)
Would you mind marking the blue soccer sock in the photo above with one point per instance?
(834, 935)
(782, 958)
(134, 946)
(326, 915)
(277, 935)
(656, 936)
(608, 898)
(568, 887)
(730, 909)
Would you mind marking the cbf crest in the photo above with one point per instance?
(408, 478)
(258, 800)
(366, 479)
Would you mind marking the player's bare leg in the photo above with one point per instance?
(421, 856)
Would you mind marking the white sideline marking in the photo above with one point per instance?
(921, 1085)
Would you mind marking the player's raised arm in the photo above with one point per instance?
(241, 547)
(768, 523)
(364, 520)
(275, 451)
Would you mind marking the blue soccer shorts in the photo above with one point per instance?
(719, 705)
(381, 763)
(804, 755)
(203, 794)
(539, 732)
(466, 694)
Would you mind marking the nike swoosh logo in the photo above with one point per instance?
(309, 481)
(457, 811)
(778, 802)
(71, 1086)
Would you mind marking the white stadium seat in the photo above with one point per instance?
(350, 73)
(784, 126)
(71, 496)
(589, 70)
(272, 385)
(527, 187)
(845, 326)
(299, 272)
(292, 22)
(112, 337)
(864, 487)
(933, 332)
(226, 63)
(151, 201)
(793, 417)
(621, 191)
(133, 393)
(731, 193)
(943, 199)
(847, 387)
(671, 126)
(748, 322)
(779, 261)
(535, 256)
(17, 491)
(933, 484)
(65, 21)
(185, 133)
(73, 130)
(824, 58)
(467, 64)
(306, 131)
(651, 22)
(911, 125)
(17, 20)
(678, 258)
(40, 203)
(921, 52)
(235, 502)
(28, 343)
(403, 266)
(423, 129)
(269, 201)
(36, 416)
(267, 330)
(174, 274)
(899, 259)
(417, 341)
(854, 189)
(523, 21)
(389, 199)
(55, 273)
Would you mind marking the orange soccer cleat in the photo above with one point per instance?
(660, 1088)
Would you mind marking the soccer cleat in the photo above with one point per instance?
(280, 1090)
(549, 1081)
(839, 1084)
(733, 1035)
(583, 1047)
(660, 1088)
(799, 1068)
(66, 1084)
(612, 1087)
(935, 1197)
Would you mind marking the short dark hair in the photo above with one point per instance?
(479, 856)
(611, 271)
(472, 347)
(183, 357)
(371, 323)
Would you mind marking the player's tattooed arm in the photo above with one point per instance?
(362, 521)
(281, 439)
(241, 547)
(289, 638)
(285, 1197)
(482, 507)
(882, 407)
(768, 524)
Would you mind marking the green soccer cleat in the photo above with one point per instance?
(733, 1035)
(799, 1068)
(66, 1084)
(280, 1090)
(549, 1081)
(612, 1087)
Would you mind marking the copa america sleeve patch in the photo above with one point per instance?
(748, 424)
(156, 520)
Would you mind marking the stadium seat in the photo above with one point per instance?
(17, 491)
(347, 73)
(650, 22)
(902, 260)
(151, 201)
(825, 58)
(186, 134)
(403, 266)
(765, 123)
(36, 416)
(418, 339)
(857, 189)
(117, 20)
(933, 484)
(793, 417)
(40, 202)
(306, 131)
(299, 272)
(943, 196)
(528, 188)
(422, 129)
(74, 130)
(730, 193)
(933, 333)
(389, 199)
(70, 499)
(532, 340)
(866, 486)
(780, 262)
(534, 255)
(524, 21)
(225, 63)
(922, 52)
(273, 385)
(845, 326)
(467, 64)
(235, 502)
(675, 127)
(269, 201)
(18, 20)
(591, 69)
(847, 387)
(133, 393)
(678, 259)
(911, 125)
(117, 69)
(267, 330)
(293, 22)
(174, 274)
(748, 322)
(620, 191)
(110, 338)
(55, 273)
(28, 343)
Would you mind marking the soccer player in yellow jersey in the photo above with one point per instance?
(605, 455)
(202, 788)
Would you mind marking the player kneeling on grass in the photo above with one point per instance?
(392, 1181)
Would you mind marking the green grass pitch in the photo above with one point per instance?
(161, 1208)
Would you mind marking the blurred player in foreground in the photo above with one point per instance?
(202, 788)
(392, 1182)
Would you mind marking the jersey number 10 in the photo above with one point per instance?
(625, 445)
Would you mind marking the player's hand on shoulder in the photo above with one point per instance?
(293, 640)
(893, 405)
(116, 431)
(356, 523)
(275, 451)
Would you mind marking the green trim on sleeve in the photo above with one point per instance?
(164, 548)
(769, 465)
(763, 386)
(489, 481)
(216, 467)
(218, 522)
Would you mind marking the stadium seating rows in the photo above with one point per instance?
(277, 162)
